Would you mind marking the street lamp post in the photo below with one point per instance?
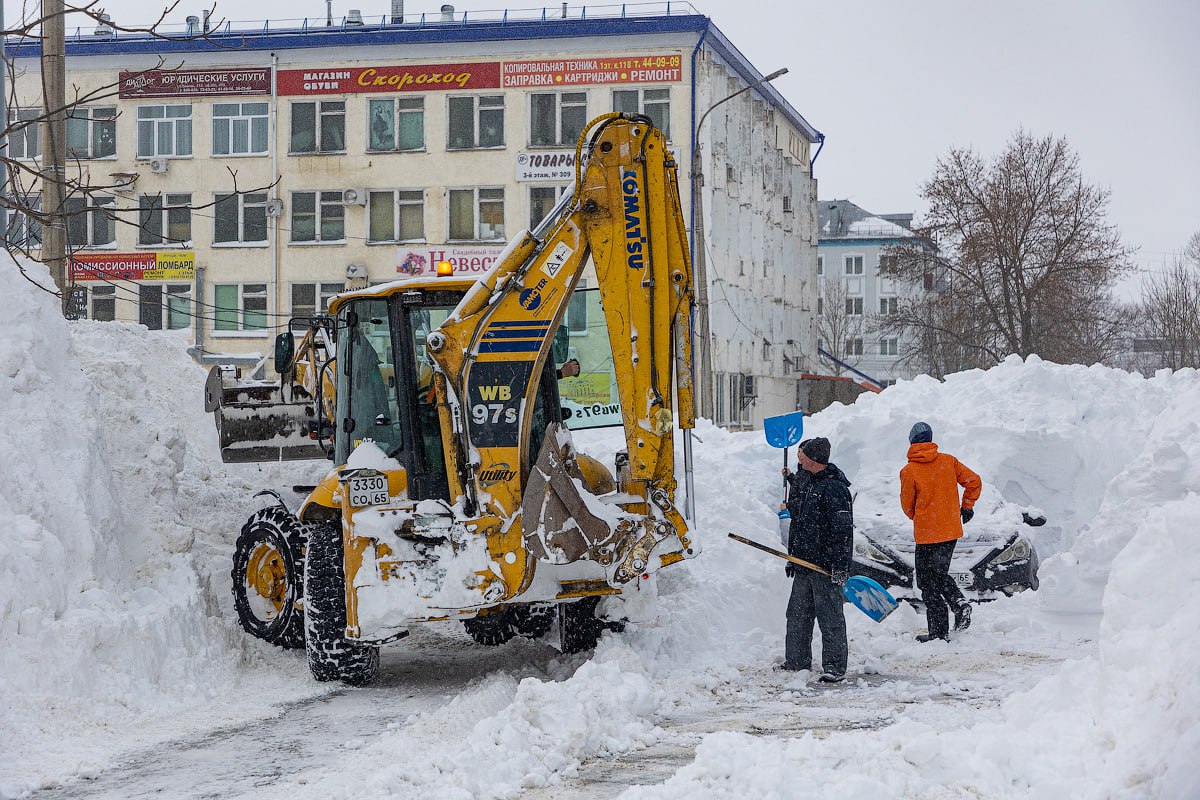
(699, 260)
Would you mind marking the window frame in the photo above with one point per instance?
(169, 203)
(397, 203)
(93, 116)
(323, 200)
(397, 113)
(854, 306)
(232, 124)
(240, 312)
(559, 191)
(889, 305)
(102, 293)
(477, 209)
(28, 228)
(853, 347)
(477, 110)
(857, 259)
(93, 208)
(318, 132)
(643, 105)
(24, 126)
(889, 346)
(321, 297)
(172, 123)
(241, 199)
(558, 138)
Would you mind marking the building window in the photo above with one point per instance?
(318, 217)
(541, 202)
(91, 222)
(396, 124)
(239, 129)
(820, 306)
(24, 126)
(476, 214)
(556, 118)
(164, 130)
(91, 132)
(854, 265)
(240, 219)
(854, 347)
(171, 304)
(102, 303)
(576, 319)
(854, 306)
(654, 103)
(240, 307)
(887, 265)
(820, 265)
(888, 347)
(310, 299)
(318, 127)
(164, 219)
(888, 305)
(24, 232)
(396, 216)
(476, 122)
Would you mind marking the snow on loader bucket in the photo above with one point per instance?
(255, 423)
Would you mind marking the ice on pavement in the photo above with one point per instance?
(117, 628)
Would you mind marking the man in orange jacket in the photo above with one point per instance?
(929, 496)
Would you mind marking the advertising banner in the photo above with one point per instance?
(550, 165)
(195, 82)
(175, 265)
(413, 78)
(469, 259)
(583, 71)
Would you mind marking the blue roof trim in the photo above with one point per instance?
(725, 48)
(872, 242)
(430, 33)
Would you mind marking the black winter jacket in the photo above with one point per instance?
(822, 529)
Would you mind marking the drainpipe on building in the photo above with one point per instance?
(198, 319)
(275, 181)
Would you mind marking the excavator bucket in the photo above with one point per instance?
(256, 423)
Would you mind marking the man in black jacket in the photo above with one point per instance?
(822, 533)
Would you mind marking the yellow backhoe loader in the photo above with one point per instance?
(459, 493)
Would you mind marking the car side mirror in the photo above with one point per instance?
(285, 348)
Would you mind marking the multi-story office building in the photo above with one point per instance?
(258, 171)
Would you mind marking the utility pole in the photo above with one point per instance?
(54, 94)
(3, 126)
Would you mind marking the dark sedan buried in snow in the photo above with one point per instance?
(986, 563)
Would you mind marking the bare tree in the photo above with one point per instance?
(1167, 330)
(1028, 261)
(841, 324)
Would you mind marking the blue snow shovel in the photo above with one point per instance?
(784, 431)
(866, 595)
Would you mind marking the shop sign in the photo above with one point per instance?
(548, 165)
(165, 266)
(414, 78)
(195, 82)
(584, 71)
(466, 259)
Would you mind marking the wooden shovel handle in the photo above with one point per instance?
(777, 553)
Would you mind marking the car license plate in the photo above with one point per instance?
(368, 490)
(965, 580)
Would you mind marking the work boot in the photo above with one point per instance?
(962, 617)
(789, 668)
(926, 637)
(831, 677)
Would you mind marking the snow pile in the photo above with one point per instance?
(107, 608)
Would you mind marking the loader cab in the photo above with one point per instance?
(385, 384)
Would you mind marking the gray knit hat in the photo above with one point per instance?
(921, 432)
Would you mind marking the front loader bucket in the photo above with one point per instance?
(254, 423)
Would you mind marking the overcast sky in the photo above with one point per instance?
(893, 85)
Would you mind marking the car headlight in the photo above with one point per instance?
(870, 551)
(1017, 551)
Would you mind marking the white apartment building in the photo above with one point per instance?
(256, 173)
(851, 267)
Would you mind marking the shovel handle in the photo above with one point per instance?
(778, 553)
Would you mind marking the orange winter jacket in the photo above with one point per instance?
(929, 493)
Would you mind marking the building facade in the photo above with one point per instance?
(245, 178)
(857, 294)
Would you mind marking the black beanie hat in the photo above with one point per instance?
(921, 432)
(817, 449)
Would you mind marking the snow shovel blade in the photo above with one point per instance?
(869, 597)
(784, 430)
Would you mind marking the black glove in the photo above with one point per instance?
(790, 570)
(967, 513)
(839, 576)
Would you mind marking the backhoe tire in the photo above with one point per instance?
(331, 656)
(580, 628)
(533, 621)
(268, 577)
(491, 630)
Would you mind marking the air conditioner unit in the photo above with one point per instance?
(159, 165)
(123, 182)
(356, 271)
(274, 208)
(354, 197)
(749, 390)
